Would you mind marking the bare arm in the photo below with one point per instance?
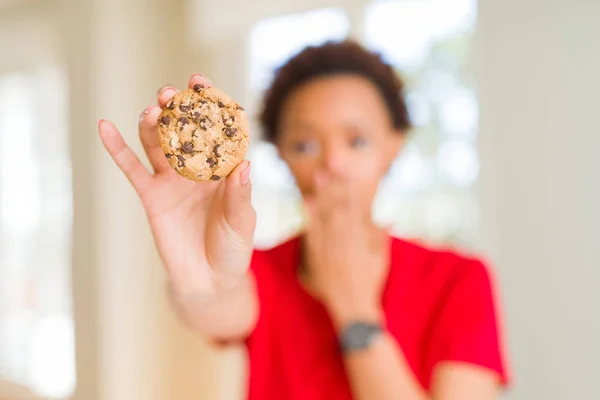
(454, 380)
(382, 373)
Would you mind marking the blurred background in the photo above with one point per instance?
(503, 161)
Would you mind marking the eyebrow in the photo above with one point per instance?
(304, 125)
(299, 124)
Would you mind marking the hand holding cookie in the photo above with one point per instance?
(198, 198)
(203, 133)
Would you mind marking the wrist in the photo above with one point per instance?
(359, 336)
(344, 313)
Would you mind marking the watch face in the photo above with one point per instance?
(359, 335)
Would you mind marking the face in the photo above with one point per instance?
(339, 126)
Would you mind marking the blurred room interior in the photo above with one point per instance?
(503, 161)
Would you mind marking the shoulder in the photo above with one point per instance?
(438, 267)
(454, 296)
(457, 291)
(444, 282)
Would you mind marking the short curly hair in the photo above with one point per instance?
(333, 58)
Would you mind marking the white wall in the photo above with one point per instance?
(537, 63)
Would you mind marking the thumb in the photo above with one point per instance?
(239, 212)
(230, 255)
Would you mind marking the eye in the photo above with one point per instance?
(306, 147)
(358, 142)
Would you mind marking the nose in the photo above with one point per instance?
(333, 160)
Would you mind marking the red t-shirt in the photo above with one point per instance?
(438, 305)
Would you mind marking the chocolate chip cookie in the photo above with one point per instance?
(204, 133)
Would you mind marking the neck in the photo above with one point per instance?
(378, 242)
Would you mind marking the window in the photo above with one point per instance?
(36, 327)
(274, 40)
(427, 193)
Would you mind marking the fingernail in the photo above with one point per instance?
(100, 121)
(245, 174)
(169, 92)
(162, 89)
(205, 81)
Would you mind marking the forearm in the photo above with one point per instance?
(381, 373)
(225, 315)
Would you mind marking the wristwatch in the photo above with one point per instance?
(358, 336)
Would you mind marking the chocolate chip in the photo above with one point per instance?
(196, 116)
(205, 123)
(165, 120)
(215, 178)
(180, 161)
(171, 105)
(228, 120)
(185, 107)
(168, 155)
(230, 131)
(197, 87)
(240, 107)
(211, 162)
(188, 147)
(203, 101)
(221, 105)
(216, 150)
(183, 120)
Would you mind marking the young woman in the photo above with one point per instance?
(343, 311)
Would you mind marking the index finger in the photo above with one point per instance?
(123, 156)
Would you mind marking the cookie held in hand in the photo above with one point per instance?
(203, 133)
